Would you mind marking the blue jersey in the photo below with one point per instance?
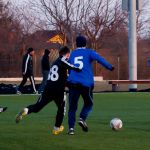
(83, 58)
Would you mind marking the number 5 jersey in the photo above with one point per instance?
(83, 58)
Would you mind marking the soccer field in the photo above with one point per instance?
(34, 131)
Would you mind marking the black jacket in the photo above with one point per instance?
(45, 62)
(27, 64)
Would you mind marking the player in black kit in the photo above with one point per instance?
(54, 90)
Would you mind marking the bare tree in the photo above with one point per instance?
(10, 27)
(70, 17)
(95, 18)
(102, 19)
(143, 19)
(62, 15)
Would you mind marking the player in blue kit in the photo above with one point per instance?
(82, 83)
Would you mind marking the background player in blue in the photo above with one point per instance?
(82, 83)
(54, 90)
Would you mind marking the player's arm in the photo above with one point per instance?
(102, 61)
(69, 65)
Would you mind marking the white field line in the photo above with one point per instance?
(96, 78)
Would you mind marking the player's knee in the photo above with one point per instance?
(37, 110)
(89, 103)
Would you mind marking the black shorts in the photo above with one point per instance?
(51, 93)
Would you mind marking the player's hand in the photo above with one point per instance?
(112, 68)
(78, 69)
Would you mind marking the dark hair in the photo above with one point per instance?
(80, 41)
(64, 50)
(46, 52)
(30, 49)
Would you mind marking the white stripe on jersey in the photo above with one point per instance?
(26, 63)
(63, 59)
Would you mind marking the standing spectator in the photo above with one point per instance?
(27, 70)
(82, 83)
(45, 66)
(2, 109)
(54, 90)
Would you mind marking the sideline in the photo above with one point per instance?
(96, 78)
(19, 79)
(19, 95)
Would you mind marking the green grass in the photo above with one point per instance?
(34, 131)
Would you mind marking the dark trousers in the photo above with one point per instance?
(24, 80)
(74, 93)
(45, 76)
(47, 96)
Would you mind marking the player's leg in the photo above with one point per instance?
(33, 83)
(60, 102)
(2, 109)
(87, 96)
(23, 82)
(65, 99)
(45, 76)
(74, 94)
(43, 100)
(21, 114)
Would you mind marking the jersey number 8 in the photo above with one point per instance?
(53, 76)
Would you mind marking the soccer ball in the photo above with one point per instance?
(116, 124)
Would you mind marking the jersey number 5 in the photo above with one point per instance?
(79, 60)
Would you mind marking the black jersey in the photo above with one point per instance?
(27, 64)
(58, 73)
(45, 63)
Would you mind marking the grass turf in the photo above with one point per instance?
(34, 131)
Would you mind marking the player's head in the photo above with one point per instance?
(46, 52)
(80, 41)
(64, 51)
(30, 51)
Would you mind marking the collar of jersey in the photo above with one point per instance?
(81, 48)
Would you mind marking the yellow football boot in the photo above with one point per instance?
(21, 114)
(57, 131)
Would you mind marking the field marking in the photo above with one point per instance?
(17, 94)
(95, 93)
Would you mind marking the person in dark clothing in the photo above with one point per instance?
(2, 109)
(45, 66)
(27, 70)
(54, 90)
